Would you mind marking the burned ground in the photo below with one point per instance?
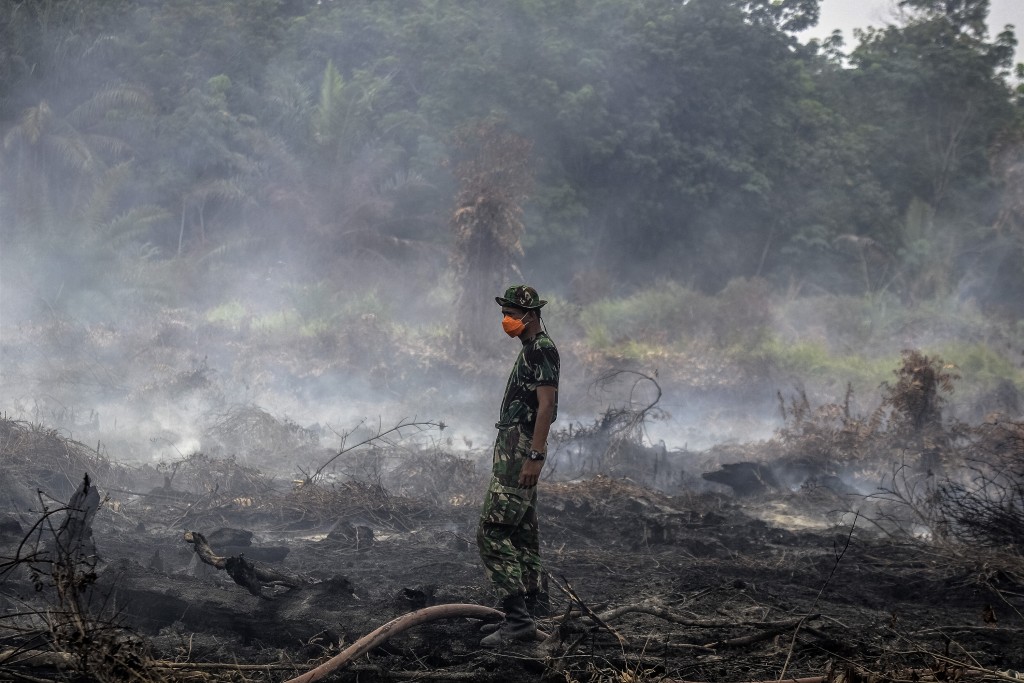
(699, 586)
(883, 545)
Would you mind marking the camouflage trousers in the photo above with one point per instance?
(507, 535)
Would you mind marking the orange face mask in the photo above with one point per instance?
(513, 327)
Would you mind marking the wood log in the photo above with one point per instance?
(252, 576)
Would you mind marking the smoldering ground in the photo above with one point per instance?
(654, 570)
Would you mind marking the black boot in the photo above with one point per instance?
(518, 624)
(538, 604)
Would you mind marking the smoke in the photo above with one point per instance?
(299, 268)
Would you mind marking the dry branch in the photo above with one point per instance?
(252, 576)
(602, 619)
(35, 658)
(567, 588)
(668, 615)
(380, 435)
(809, 679)
(967, 671)
(761, 635)
(472, 676)
(393, 628)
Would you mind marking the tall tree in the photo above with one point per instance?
(939, 102)
(50, 158)
(494, 178)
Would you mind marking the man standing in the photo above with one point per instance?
(507, 535)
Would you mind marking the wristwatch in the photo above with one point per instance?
(536, 455)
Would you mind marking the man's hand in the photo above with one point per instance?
(530, 473)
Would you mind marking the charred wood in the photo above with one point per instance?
(252, 576)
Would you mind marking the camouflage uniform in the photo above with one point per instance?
(507, 535)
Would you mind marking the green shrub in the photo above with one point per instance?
(668, 315)
(312, 302)
(813, 362)
(841, 323)
(742, 313)
(980, 363)
(276, 321)
(230, 313)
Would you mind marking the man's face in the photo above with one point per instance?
(516, 313)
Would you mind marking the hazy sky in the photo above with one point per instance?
(849, 14)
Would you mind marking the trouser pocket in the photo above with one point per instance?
(510, 450)
(506, 505)
(510, 440)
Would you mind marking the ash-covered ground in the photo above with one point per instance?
(839, 543)
(643, 586)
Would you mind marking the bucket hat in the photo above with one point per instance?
(521, 296)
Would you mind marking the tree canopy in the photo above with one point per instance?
(693, 141)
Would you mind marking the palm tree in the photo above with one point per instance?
(50, 160)
(494, 180)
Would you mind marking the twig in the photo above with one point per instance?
(668, 615)
(835, 566)
(15, 676)
(376, 437)
(567, 588)
(809, 679)
(762, 635)
(473, 676)
(909, 675)
(974, 668)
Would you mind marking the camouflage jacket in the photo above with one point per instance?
(536, 366)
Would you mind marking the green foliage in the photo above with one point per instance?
(677, 318)
(654, 315)
(340, 120)
(814, 363)
(694, 142)
(982, 363)
(230, 313)
(314, 310)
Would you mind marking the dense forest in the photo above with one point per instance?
(655, 166)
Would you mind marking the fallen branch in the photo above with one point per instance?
(472, 676)
(252, 576)
(50, 659)
(202, 548)
(34, 658)
(762, 635)
(969, 671)
(668, 615)
(22, 678)
(393, 628)
(975, 670)
(809, 679)
(567, 589)
(602, 619)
